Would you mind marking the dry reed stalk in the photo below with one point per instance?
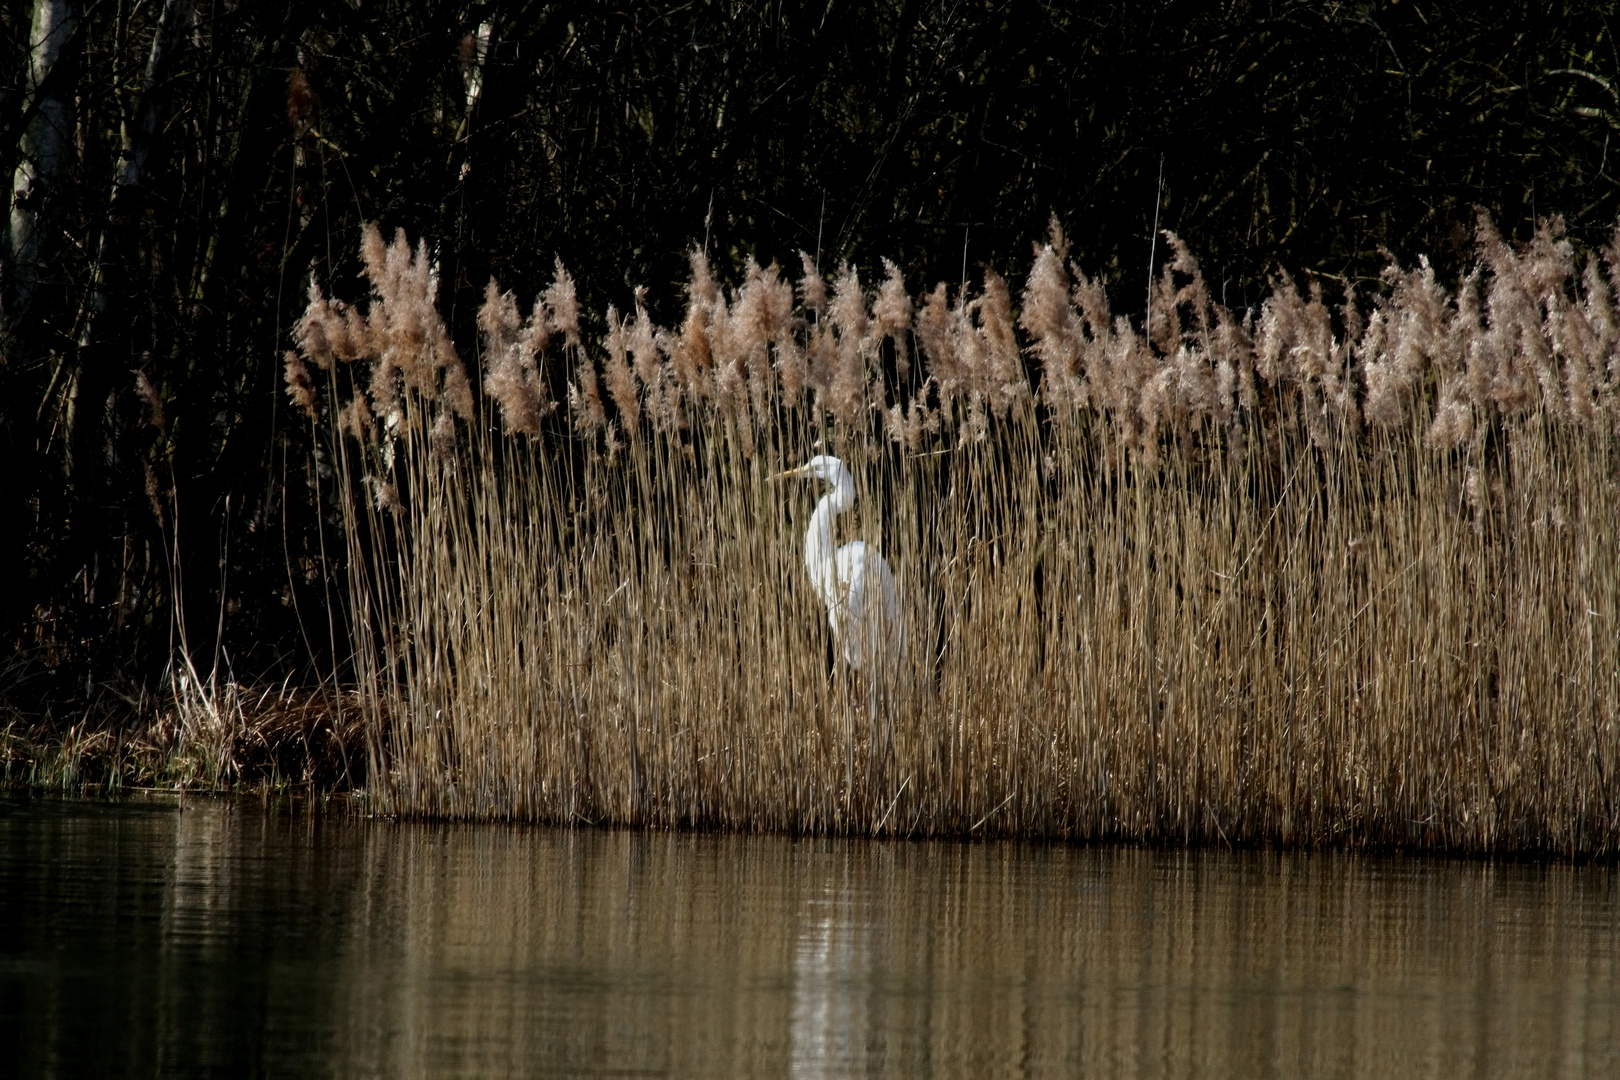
(1336, 572)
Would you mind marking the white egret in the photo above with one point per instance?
(854, 581)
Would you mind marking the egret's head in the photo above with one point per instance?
(821, 467)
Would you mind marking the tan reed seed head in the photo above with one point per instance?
(456, 391)
(1464, 334)
(386, 494)
(812, 287)
(350, 337)
(921, 421)
(701, 285)
(1234, 357)
(763, 309)
(384, 388)
(310, 332)
(1193, 296)
(512, 376)
(894, 423)
(821, 359)
(1384, 403)
(1513, 347)
(1163, 329)
(791, 369)
(692, 354)
(300, 388)
(649, 347)
(1057, 337)
(728, 344)
(1007, 386)
(404, 335)
(1275, 332)
(621, 380)
(1602, 323)
(643, 343)
(585, 397)
(1340, 379)
(442, 437)
(1196, 396)
(847, 396)
(891, 317)
(498, 319)
(373, 252)
(1123, 371)
(1581, 328)
(1610, 277)
(762, 315)
(1096, 341)
(154, 493)
(848, 308)
(401, 314)
(562, 305)
(355, 420)
(939, 346)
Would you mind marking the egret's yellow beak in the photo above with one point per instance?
(790, 474)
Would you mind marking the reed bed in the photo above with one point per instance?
(1337, 570)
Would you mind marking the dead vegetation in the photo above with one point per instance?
(206, 736)
(1338, 570)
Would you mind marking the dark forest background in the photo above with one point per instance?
(179, 169)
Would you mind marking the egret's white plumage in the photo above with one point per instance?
(853, 581)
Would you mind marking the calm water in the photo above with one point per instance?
(225, 940)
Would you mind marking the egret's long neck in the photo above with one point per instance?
(818, 540)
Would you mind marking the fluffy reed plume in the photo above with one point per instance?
(621, 380)
(564, 305)
(514, 348)
(585, 398)
(1003, 370)
(690, 352)
(812, 288)
(845, 397)
(939, 331)
(1342, 569)
(762, 318)
(300, 387)
(355, 421)
(891, 318)
(1056, 333)
(663, 398)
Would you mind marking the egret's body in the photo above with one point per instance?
(854, 581)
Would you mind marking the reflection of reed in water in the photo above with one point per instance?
(829, 989)
(494, 952)
(257, 946)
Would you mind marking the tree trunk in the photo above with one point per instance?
(45, 154)
(115, 284)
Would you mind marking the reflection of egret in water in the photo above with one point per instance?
(831, 956)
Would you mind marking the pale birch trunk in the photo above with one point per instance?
(45, 155)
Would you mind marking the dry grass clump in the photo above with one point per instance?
(217, 734)
(1341, 569)
(208, 734)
